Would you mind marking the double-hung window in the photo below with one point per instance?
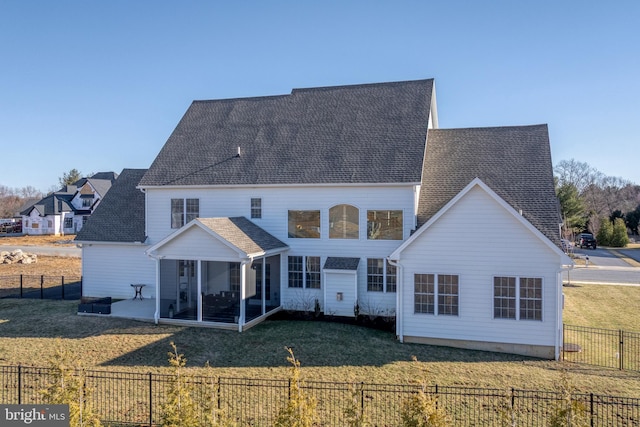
(304, 272)
(381, 275)
(517, 298)
(256, 208)
(183, 211)
(436, 294)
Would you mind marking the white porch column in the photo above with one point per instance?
(199, 287)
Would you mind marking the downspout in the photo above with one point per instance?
(156, 315)
(399, 275)
(243, 291)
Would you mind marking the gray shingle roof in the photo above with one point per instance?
(120, 215)
(373, 133)
(243, 234)
(341, 263)
(515, 162)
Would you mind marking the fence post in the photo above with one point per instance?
(361, 399)
(20, 384)
(591, 409)
(21, 286)
(621, 338)
(62, 285)
(218, 394)
(150, 399)
(42, 287)
(564, 338)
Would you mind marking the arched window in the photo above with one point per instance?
(344, 222)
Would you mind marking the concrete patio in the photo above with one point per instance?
(134, 309)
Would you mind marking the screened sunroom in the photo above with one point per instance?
(219, 272)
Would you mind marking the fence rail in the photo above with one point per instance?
(41, 287)
(601, 347)
(136, 399)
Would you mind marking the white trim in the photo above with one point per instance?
(477, 182)
(310, 185)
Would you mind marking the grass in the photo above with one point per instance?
(37, 240)
(30, 331)
(327, 351)
(600, 306)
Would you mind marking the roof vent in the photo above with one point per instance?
(519, 210)
(238, 155)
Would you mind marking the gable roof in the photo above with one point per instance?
(372, 133)
(477, 182)
(52, 204)
(120, 215)
(515, 162)
(239, 233)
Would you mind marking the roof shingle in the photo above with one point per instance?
(321, 135)
(514, 161)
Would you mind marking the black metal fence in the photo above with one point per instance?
(41, 287)
(136, 399)
(601, 347)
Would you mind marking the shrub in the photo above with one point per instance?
(354, 412)
(605, 233)
(619, 237)
(68, 387)
(568, 412)
(179, 408)
(300, 410)
(421, 409)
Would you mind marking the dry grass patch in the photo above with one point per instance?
(47, 240)
(46, 265)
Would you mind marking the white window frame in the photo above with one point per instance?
(305, 272)
(437, 294)
(186, 214)
(386, 276)
(519, 299)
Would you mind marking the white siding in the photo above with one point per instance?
(276, 202)
(195, 243)
(345, 283)
(110, 269)
(477, 240)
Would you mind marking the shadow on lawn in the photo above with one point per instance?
(315, 344)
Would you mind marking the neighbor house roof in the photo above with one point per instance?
(515, 162)
(120, 215)
(372, 133)
(53, 204)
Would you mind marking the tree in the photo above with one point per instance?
(605, 233)
(69, 178)
(572, 208)
(619, 237)
(633, 219)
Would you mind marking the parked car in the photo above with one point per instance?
(586, 240)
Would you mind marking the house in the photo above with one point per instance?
(344, 199)
(67, 210)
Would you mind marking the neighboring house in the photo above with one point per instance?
(347, 199)
(67, 210)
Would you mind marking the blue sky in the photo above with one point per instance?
(99, 86)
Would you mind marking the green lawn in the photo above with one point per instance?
(31, 330)
(598, 306)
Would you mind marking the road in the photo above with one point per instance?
(605, 267)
